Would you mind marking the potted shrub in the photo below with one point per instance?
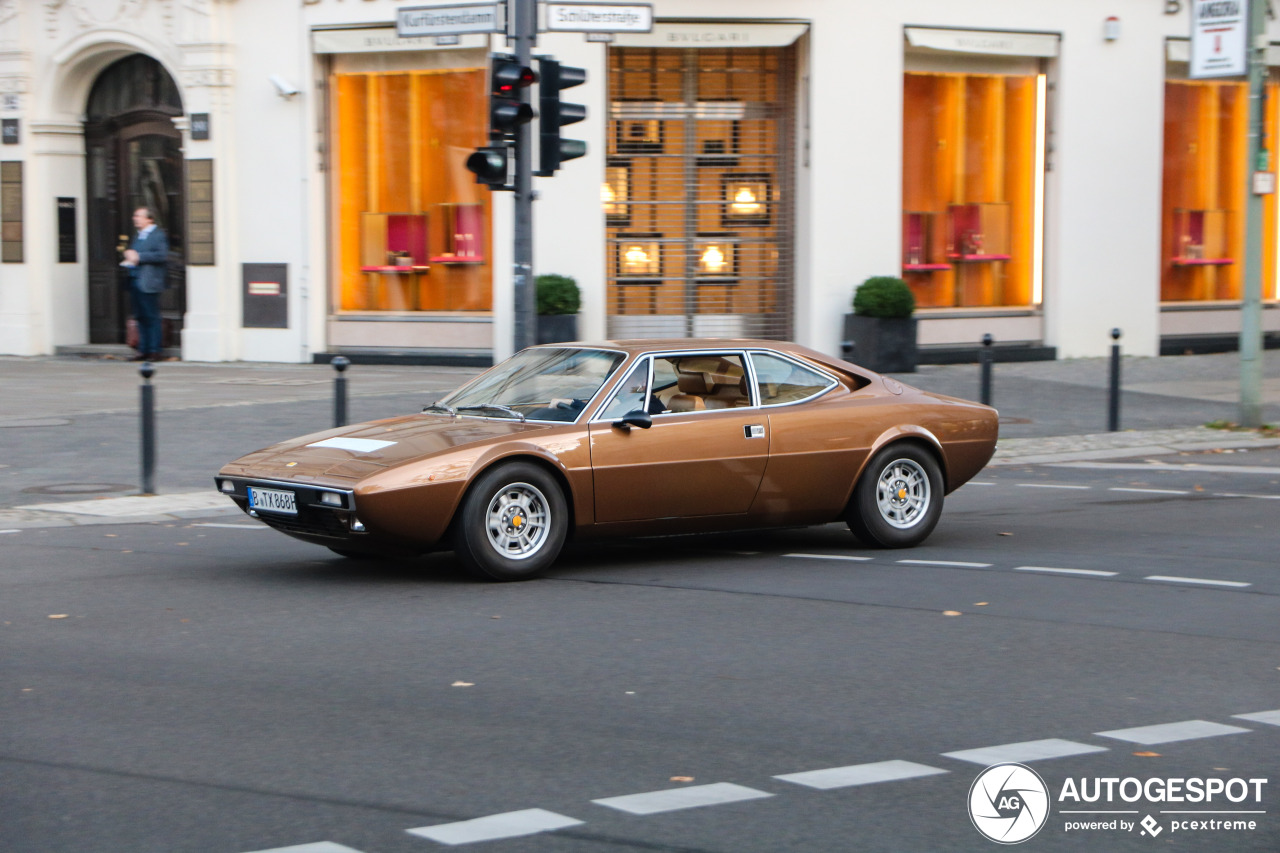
(880, 334)
(558, 301)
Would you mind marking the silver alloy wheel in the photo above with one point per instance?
(518, 521)
(902, 493)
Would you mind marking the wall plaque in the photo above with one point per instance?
(11, 235)
(199, 126)
(200, 212)
(66, 230)
(9, 131)
(266, 296)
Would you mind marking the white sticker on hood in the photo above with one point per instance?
(358, 445)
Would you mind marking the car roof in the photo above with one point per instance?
(637, 346)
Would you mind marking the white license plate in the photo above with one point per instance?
(270, 500)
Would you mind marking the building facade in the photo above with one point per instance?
(1042, 172)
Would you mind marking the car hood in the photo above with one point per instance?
(356, 451)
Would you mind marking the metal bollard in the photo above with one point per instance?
(148, 429)
(985, 357)
(1113, 400)
(340, 364)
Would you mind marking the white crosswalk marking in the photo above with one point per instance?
(860, 774)
(317, 847)
(1172, 732)
(674, 799)
(1031, 750)
(493, 827)
(1271, 718)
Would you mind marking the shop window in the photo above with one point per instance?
(411, 227)
(971, 173)
(696, 196)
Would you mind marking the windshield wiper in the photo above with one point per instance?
(493, 407)
(441, 407)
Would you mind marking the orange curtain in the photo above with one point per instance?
(401, 140)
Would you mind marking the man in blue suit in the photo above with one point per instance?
(148, 256)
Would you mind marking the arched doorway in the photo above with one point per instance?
(134, 159)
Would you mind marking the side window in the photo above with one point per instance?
(631, 393)
(699, 382)
(781, 380)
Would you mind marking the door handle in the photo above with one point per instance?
(753, 430)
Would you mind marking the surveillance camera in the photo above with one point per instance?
(284, 88)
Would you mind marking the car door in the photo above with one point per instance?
(704, 454)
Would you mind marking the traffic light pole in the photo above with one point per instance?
(523, 14)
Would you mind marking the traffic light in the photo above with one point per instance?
(492, 166)
(554, 114)
(507, 81)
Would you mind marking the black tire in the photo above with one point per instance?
(512, 523)
(898, 500)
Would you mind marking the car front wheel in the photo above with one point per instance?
(512, 523)
(898, 500)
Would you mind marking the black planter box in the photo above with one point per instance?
(556, 328)
(885, 345)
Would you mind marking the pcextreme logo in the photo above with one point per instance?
(1010, 803)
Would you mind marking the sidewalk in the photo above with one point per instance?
(69, 425)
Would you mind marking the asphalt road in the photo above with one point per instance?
(214, 687)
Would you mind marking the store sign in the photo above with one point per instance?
(713, 35)
(990, 42)
(598, 18)
(385, 40)
(1219, 38)
(418, 21)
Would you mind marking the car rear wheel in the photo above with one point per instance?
(898, 500)
(512, 523)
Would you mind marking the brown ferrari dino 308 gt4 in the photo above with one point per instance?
(625, 438)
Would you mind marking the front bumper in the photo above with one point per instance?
(318, 519)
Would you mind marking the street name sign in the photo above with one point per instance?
(414, 21)
(599, 18)
(1219, 38)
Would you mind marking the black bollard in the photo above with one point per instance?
(985, 357)
(340, 391)
(148, 429)
(1113, 399)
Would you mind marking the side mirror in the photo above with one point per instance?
(638, 418)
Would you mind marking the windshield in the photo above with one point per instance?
(541, 384)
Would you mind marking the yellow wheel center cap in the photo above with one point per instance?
(517, 521)
(902, 494)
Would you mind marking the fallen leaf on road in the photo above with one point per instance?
(681, 778)
(980, 604)
(951, 613)
(1147, 754)
(1004, 534)
(464, 684)
(57, 616)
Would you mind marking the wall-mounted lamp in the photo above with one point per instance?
(717, 256)
(1111, 28)
(284, 88)
(746, 199)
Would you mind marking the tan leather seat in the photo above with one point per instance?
(692, 396)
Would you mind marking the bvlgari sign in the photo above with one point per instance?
(1219, 38)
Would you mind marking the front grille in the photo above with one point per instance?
(309, 521)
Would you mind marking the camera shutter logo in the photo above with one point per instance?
(1008, 803)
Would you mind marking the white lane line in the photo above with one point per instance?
(1088, 572)
(945, 563)
(1271, 718)
(1173, 732)
(674, 799)
(1191, 467)
(234, 526)
(317, 847)
(1204, 581)
(10, 531)
(1149, 491)
(829, 557)
(975, 483)
(1031, 750)
(1255, 497)
(860, 774)
(492, 827)
(1050, 486)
